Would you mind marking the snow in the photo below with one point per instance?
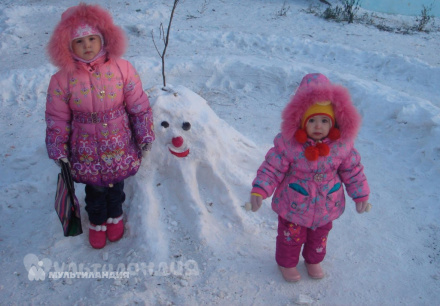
(189, 240)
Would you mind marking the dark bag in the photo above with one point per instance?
(66, 203)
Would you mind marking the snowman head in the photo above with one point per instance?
(181, 118)
(188, 130)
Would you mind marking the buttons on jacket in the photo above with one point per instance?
(318, 177)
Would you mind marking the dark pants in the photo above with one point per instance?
(104, 202)
(292, 236)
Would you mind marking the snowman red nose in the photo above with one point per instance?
(177, 141)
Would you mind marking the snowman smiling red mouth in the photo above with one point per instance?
(178, 148)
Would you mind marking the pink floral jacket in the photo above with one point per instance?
(310, 193)
(99, 117)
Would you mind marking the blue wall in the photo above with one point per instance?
(402, 7)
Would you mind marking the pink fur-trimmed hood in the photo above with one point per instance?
(314, 88)
(58, 47)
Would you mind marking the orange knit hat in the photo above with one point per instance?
(320, 108)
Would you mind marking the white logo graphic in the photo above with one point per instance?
(37, 269)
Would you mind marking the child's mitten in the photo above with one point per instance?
(146, 148)
(256, 201)
(363, 207)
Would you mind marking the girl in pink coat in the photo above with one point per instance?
(98, 117)
(305, 169)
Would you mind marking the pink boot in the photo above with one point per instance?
(97, 237)
(115, 228)
(314, 270)
(290, 274)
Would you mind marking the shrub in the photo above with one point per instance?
(425, 18)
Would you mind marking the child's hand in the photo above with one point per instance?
(256, 201)
(363, 207)
(146, 148)
(63, 159)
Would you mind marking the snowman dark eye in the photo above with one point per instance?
(186, 126)
(165, 124)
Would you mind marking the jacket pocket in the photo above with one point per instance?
(335, 188)
(299, 199)
(299, 188)
(335, 198)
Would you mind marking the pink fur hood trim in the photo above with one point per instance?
(58, 47)
(317, 88)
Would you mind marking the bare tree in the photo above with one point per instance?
(165, 41)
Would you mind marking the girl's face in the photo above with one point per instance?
(318, 127)
(87, 47)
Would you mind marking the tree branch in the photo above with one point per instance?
(165, 39)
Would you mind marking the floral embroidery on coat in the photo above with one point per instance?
(101, 150)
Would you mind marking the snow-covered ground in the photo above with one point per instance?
(188, 238)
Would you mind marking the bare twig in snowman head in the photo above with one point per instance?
(165, 41)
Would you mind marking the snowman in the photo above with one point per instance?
(197, 176)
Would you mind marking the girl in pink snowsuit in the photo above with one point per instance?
(98, 117)
(305, 169)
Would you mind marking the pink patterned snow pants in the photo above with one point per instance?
(290, 239)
